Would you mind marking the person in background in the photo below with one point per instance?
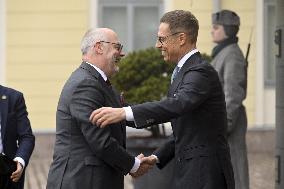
(195, 105)
(231, 66)
(16, 139)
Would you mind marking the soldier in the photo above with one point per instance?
(230, 64)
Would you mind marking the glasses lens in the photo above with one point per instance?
(118, 46)
(161, 39)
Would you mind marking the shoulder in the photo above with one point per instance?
(202, 66)
(202, 70)
(232, 50)
(10, 92)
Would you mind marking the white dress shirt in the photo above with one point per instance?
(137, 161)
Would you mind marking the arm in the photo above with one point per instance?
(195, 88)
(26, 138)
(234, 87)
(166, 152)
(87, 96)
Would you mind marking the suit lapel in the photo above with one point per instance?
(3, 110)
(108, 89)
(112, 96)
(191, 62)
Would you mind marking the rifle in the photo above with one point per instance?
(248, 48)
(246, 61)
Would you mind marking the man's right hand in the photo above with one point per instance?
(106, 115)
(146, 164)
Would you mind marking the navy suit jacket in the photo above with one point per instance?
(16, 133)
(195, 105)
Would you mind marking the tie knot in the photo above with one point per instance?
(175, 72)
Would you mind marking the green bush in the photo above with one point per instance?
(144, 76)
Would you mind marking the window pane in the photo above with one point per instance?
(270, 60)
(116, 19)
(146, 22)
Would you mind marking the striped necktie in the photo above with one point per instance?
(175, 72)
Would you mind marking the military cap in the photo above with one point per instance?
(226, 17)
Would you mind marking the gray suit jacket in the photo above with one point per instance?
(86, 156)
(231, 67)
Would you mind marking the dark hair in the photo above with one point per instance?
(182, 21)
(231, 31)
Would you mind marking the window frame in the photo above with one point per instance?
(268, 83)
(130, 5)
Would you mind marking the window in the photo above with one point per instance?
(269, 54)
(135, 21)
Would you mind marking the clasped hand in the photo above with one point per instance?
(16, 175)
(146, 163)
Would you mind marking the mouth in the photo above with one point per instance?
(117, 59)
(163, 52)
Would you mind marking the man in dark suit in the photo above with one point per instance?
(195, 105)
(86, 156)
(16, 140)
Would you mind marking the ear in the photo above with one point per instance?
(99, 49)
(182, 38)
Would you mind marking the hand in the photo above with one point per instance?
(151, 160)
(16, 175)
(107, 115)
(146, 164)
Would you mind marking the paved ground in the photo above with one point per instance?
(261, 167)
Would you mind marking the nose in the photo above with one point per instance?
(121, 54)
(158, 44)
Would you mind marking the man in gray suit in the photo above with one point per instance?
(86, 156)
(231, 66)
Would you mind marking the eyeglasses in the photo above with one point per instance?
(162, 40)
(117, 46)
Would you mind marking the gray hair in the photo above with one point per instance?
(91, 37)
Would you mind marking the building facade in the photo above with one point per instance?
(40, 45)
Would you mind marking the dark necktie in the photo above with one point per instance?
(175, 72)
(108, 82)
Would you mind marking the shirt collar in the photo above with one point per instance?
(185, 57)
(99, 70)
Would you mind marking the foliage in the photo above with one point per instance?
(143, 76)
(206, 57)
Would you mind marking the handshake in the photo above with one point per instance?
(146, 163)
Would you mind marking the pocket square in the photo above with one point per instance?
(3, 97)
